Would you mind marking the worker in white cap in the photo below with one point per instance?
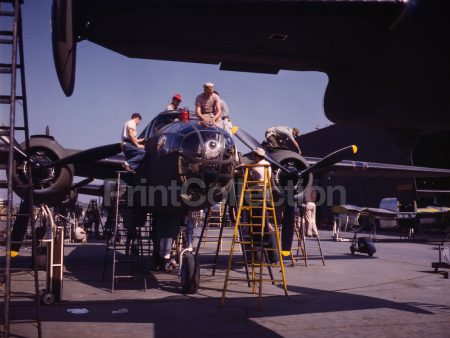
(259, 158)
(208, 106)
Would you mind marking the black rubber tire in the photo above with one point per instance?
(370, 254)
(190, 274)
(48, 298)
(352, 250)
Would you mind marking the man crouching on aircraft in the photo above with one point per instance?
(282, 136)
(132, 147)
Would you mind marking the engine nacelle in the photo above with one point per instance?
(291, 160)
(51, 185)
(286, 185)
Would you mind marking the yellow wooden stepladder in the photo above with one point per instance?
(259, 205)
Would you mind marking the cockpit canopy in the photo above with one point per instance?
(163, 119)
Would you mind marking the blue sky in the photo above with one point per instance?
(110, 86)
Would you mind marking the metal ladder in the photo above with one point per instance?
(92, 218)
(301, 240)
(132, 251)
(256, 199)
(11, 37)
(299, 232)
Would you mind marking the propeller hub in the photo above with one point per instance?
(42, 176)
(289, 178)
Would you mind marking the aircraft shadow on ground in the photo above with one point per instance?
(346, 256)
(169, 316)
(79, 262)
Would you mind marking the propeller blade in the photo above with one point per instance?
(252, 143)
(20, 227)
(89, 155)
(287, 230)
(246, 138)
(331, 159)
(16, 146)
(82, 183)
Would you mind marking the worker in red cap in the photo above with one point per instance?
(176, 99)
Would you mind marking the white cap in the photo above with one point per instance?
(208, 84)
(260, 152)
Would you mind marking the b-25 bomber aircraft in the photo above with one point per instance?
(181, 151)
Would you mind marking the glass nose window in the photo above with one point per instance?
(190, 148)
(213, 145)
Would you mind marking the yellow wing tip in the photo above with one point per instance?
(14, 253)
(355, 149)
(234, 129)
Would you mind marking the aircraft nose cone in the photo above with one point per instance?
(213, 149)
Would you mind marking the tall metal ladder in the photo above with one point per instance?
(10, 13)
(219, 239)
(133, 251)
(256, 199)
(210, 215)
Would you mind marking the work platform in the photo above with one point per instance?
(393, 294)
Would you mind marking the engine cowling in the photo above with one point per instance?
(51, 185)
(293, 161)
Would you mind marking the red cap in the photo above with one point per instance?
(177, 96)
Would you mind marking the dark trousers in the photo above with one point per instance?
(133, 154)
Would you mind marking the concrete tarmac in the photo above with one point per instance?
(395, 293)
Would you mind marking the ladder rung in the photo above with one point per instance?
(244, 242)
(6, 42)
(7, 67)
(270, 280)
(237, 279)
(6, 33)
(5, 99)
(258, 264)
(12, 1)
(6, 13)
(248, 224)
(7, 128)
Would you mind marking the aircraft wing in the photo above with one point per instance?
(367, 48)
(372, 169)
(92, 190)
(254, 36)
(365, 211)
(101, 169)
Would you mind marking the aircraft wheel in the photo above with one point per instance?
(190, 274)
(48, 298)
(370, 254)
(352, 250)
